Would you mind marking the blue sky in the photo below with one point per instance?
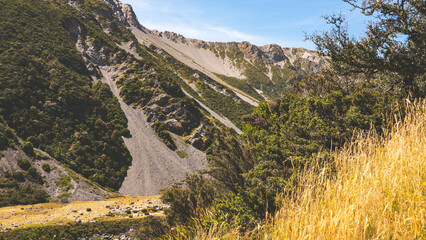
(260, 22)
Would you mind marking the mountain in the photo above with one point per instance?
(255, 72)
(128, 108)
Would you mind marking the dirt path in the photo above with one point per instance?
(154, 165)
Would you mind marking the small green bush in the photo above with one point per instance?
(181, 153)
(28, 149)
(46, 167)
(89, 209)
(164, 135)
(24, 163)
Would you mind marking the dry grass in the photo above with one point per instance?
(54, 213)
(378, 191)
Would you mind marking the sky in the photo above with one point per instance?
(283, 22)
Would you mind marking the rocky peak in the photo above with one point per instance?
(274, 52)
(124, 13)
(250, 51)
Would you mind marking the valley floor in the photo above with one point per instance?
(54, 213)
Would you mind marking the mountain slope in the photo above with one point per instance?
(126, 107)
(253, 72)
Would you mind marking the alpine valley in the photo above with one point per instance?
(100, 115)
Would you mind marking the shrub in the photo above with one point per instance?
(89, 209)
(24, 163)
(46, 167)
(164, 135)
(181, 153)
(28, 149)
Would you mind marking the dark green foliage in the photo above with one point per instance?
(392, 50)
(7, 135)
(46, 167)
(28, 149)
(24, 163)
(136, 91)
(188, 202)
(20, 194)
(19, 176)
(281, 138)
(47, 96)
(147, 228)
(241, 85)
(162, 133)
(34, 176)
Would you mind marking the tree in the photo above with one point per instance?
(393, 48)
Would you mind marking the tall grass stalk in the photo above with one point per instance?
(377, 189)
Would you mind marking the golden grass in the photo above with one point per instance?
(55, 213)
(375, 190)
(378, 191)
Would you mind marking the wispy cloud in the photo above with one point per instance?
(194, 22)
(206, 32)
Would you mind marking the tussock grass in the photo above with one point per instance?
(378, 189)
(375, 189)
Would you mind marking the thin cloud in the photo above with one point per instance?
(207, 32)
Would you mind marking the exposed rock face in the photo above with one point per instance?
(267, 54)
(274, 52)
(78, 190)
(124, 13)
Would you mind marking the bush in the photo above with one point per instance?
(28, 149)
(164, 135)
(89, 209)
(23, 195)
(24, 163)
(46, 167)
(19, 176)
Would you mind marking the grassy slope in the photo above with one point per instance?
(377, 190)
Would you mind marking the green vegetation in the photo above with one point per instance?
(182, 154)
(47, 96)
(286, 137)
(28, 149)
(64, 183)
(24, 163)
(146, 228)
(164, 135)
(241, 85)
(46, 167)
(33, 175)
(7, 136)
(13, 192)
(392, 52)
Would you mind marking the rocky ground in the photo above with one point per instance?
(154, 165)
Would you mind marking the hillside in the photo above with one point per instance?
(375, 188)
(254, 73)
(122, 105)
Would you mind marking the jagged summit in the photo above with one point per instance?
(231, 59)
(124, 13)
